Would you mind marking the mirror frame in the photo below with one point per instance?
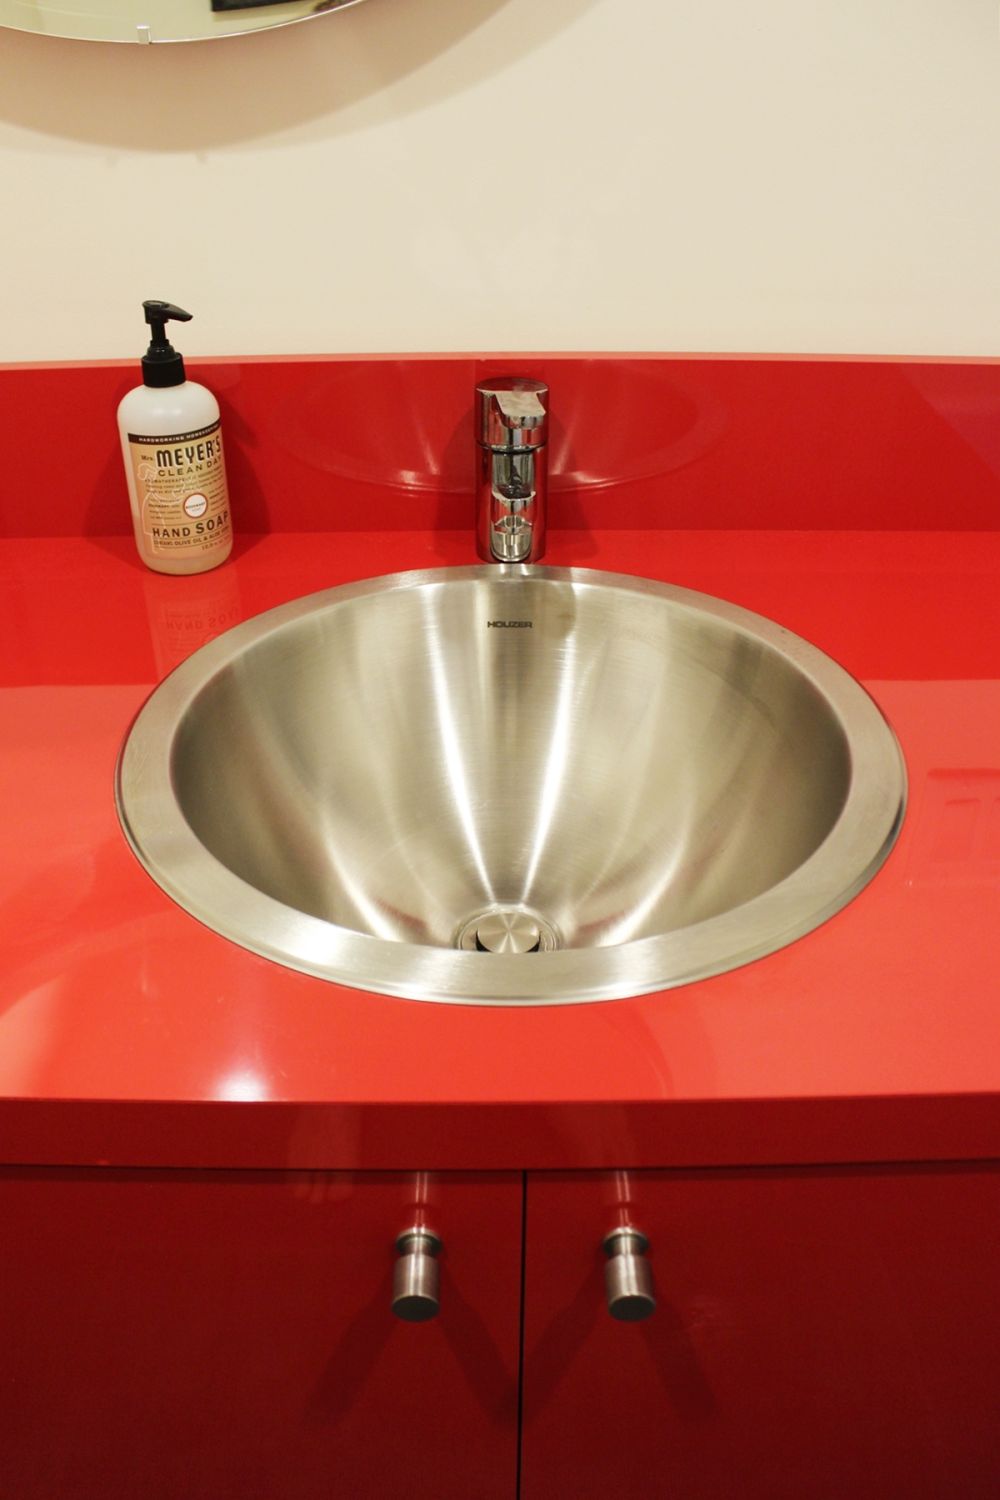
(223, 18)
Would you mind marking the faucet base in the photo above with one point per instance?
(512, 539)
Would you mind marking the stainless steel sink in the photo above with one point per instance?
(510, 785)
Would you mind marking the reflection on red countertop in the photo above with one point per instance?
(876, 1035)
(358, 443)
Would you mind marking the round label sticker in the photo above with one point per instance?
(195, 506)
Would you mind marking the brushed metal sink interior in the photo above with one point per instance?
(510, 785)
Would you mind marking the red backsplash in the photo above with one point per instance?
(348, 442)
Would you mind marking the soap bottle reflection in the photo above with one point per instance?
(187, 612)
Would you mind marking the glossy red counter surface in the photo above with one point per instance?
(131, 1034)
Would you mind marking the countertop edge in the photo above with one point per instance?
(471, 1137)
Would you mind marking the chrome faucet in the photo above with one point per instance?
(512, 429)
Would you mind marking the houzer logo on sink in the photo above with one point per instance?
(509, 624)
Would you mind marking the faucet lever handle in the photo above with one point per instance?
(511, 412)
(520, 408)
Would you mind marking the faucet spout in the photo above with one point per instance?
(512, 482)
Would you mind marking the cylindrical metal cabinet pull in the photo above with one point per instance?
(628, 1280)
(416, 1279)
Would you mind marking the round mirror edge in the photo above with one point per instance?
(221, 31)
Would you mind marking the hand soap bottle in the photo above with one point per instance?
(172, 447)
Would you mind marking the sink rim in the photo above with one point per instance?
(842, 864)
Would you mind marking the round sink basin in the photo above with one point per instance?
(510, 785)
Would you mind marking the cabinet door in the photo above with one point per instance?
(173, 1336)
(819, 1333)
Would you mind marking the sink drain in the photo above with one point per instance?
(506, 929)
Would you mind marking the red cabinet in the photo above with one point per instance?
(818, 1333)
(214, 1335)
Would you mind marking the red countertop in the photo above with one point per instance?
(130, 1033)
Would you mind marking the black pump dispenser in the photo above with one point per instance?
(161, 364)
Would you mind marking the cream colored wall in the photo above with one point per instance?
(798, 175)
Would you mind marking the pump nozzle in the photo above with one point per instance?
(161, 364)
